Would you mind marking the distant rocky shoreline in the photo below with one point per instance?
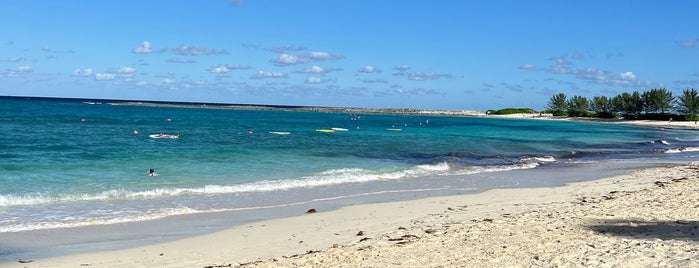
(308, 108)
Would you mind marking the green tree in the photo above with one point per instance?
(630, 105)
(657, 99)
(577, 106)
(617, 103)
(602, 106)
(688, 103)
(557, 104)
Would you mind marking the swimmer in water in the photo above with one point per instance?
(151, 172)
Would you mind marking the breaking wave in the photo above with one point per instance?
(325, 178)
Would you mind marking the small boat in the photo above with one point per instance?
(339, 129)
(164, 136)
(325, 130)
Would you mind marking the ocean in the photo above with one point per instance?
(67, 164)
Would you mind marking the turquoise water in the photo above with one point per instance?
(66, 163)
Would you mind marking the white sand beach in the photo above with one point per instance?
(649, 218)
(643, 123)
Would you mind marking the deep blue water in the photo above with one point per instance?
(66, 163)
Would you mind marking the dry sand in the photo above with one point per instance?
(649, 218)
(643, 123)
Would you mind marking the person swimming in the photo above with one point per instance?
(151, 172)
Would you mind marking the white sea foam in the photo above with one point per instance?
(329, 177)
(440, 167)
(524, 163)
(325, 178)
(542, 159)
(155, 214)
(44, 198)
(682, 150)
(79, 222)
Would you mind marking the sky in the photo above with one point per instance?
(451, 55)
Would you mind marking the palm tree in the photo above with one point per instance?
(657, 99)
(557, 104)
(628, 104)
(602, 106)
(577, 106)
(688, 103)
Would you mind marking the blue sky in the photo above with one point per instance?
(470, 55)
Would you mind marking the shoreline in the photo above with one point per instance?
(579, 219)
(405, 111)
(417, 112)
(640, 123)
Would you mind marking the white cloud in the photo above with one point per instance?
(318, 55)
(318, 70)
(628, 76)
(127, 70)
(687, 43)
(287, 59)
(425, 92)
(178, 60)
(397, 90)
(21, 71)
(402, 68)
(418, 76)
(611, 55)
(369, 69)
(193, 84)
(313, 80)
(24, 69)
(285, 49)
(594, 75)
(196, 51)
(85, 72)
(251, 45)
(265, 74)
(15, 59)
(527, 66)
(628, 79)
(373, 81)
(219, 69)
(49, 50)
(104, 76)
(238, 67)
(319, 80)
(225, 68)
(561, 60)
(145, 48)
